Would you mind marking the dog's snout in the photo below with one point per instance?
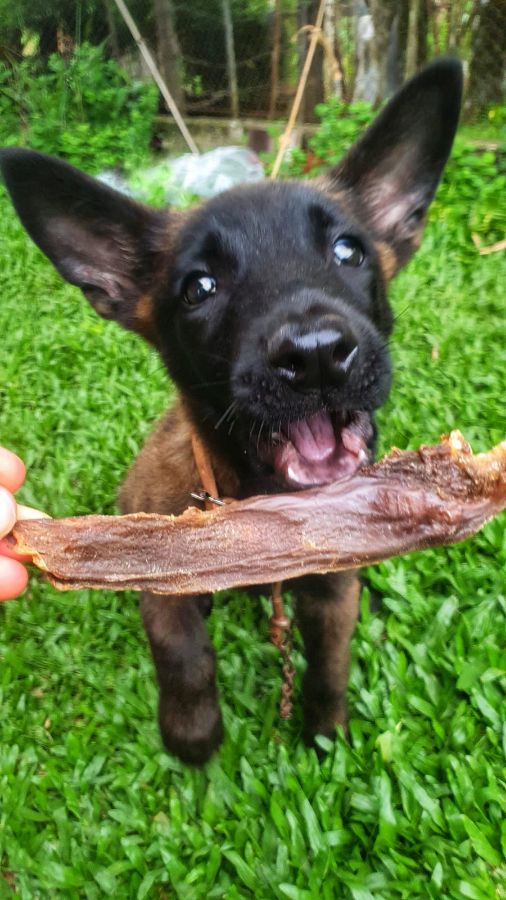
(312, 359)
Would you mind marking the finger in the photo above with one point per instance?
(12, 470)
(13, 579)
(8, 511)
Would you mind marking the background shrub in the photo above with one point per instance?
(85, 109)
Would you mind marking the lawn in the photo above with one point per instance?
(414, 806)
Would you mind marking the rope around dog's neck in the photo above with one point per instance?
(279, 623)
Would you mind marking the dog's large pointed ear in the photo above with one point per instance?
(391, 174)
(98, 239)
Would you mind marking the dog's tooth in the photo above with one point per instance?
(352, 441)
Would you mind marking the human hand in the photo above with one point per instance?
(13, 575)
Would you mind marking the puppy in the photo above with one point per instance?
(268, 306)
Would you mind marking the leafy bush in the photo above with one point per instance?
(9, 116)
(469, 197)
(496, 115)
(340, 125)
(86, 110)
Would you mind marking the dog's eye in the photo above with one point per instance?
(348, 251)
(198, 287)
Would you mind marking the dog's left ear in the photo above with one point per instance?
(391, 174)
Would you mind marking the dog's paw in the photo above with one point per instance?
(191, 731)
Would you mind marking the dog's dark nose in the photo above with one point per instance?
(312, 359)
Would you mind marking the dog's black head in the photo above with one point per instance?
(267, 303)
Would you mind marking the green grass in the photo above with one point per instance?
(413, 807)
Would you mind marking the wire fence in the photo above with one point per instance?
(365, 51)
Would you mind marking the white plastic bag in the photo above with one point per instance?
(215, 171)
(174, 181)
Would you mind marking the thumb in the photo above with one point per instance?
(7, 544)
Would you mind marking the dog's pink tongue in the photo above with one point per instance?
(313, 438)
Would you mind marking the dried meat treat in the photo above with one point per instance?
(408, 501)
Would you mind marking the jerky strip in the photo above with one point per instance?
(408, 501)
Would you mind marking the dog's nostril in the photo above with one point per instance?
(288, 364)
(287, 360)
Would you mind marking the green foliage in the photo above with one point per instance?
(414, 806)
(497, 115)
(9, 107)
(155, 186)
(340, 126)
(85, 110)
(470, 199)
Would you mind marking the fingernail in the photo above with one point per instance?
(27, 512)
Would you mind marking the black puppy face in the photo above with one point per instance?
(274, 322)
(267, 303)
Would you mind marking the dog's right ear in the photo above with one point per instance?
(105, 243)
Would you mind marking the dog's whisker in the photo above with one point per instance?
(230, 408)
(217, 357)
(401, 312)
(207, 384)
(260, 432)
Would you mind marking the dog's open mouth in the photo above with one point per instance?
(319, 450)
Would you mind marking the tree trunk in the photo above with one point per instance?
(412, 42)
(275, 54)
(332, 71)
(384, 14)
(48, 42)
(314, 92)
(169, 54)
(454, 19)
(407, 43)
(113, 31)
(423, 33)
(488, 56)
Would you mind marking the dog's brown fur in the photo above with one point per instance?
(164, 474)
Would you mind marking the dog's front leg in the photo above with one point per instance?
(189, 715)
(327, 609)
